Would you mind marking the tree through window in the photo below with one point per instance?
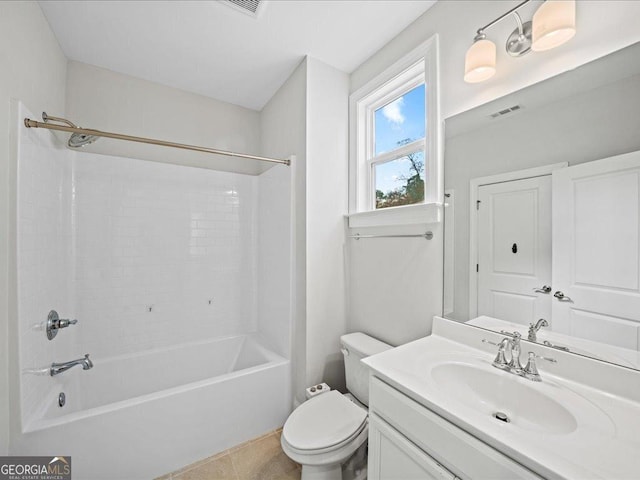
(400, 181)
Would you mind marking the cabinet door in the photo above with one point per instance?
(393, 457)
(596, 250)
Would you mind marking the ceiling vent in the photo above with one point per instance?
(252, 8)
(506, 111)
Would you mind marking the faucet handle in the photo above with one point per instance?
(501, 360)
(531, 370)
(55, 323)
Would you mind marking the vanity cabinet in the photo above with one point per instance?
(391, 455)
(409, 441)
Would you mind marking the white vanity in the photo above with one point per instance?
(439, 409)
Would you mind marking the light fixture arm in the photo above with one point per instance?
(504, 15)
(519, 22)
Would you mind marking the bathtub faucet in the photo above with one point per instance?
(57, 368)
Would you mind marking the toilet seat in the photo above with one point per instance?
(324, 423)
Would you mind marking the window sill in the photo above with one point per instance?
(409, 215)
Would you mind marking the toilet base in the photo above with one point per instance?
(322, 472)
(329, 465)
(355, 468)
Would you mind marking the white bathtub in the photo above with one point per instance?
(139, 416)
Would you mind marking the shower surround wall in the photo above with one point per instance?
(45, 268)
(164, 254)
(145, 255)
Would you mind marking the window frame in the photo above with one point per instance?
(417, 67)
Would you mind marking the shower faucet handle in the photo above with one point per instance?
(62, 323)
(55, 323)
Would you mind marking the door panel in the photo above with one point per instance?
(606, 231)
(596, 250)
(509, 305)
(514, 249)
(604, 328)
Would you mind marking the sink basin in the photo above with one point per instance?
(489, 392)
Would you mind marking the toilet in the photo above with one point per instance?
(327, 430)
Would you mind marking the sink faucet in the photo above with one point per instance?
(512, 346)
(533, 329)
(57, 368)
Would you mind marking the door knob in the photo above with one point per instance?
(544, 289)
(562, 297)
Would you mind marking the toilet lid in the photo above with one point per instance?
(323, 421)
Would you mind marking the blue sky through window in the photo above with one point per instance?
(403, 118)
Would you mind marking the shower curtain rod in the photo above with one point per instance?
(118, 136)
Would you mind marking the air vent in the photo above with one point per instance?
(250, 7)
(505, 111)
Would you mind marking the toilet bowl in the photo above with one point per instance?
(327, 430)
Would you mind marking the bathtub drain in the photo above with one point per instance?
(62, 399)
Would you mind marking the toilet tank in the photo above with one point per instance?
(355, 347)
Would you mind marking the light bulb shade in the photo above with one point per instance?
(554, 23)
(480, 61)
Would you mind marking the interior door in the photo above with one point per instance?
(514, 249)
(596, 250)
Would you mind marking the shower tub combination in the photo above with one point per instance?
(156, 399)
(140, 416)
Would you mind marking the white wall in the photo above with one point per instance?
(283, 126)
(327, 188)
(307, 117)
(105, 100)
(33, 69)
(275, 258)
(396, 285)
(167, 236)
(602, 27)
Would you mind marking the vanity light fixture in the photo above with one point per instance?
(480, 61)
(553, 24)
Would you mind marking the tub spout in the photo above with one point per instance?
(57, 368)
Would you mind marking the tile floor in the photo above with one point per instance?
(259, 459)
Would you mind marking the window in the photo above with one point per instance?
(397, 162)
(394, 160)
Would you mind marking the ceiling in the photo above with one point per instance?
(208, 48)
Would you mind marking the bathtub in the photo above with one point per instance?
(140, 416)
